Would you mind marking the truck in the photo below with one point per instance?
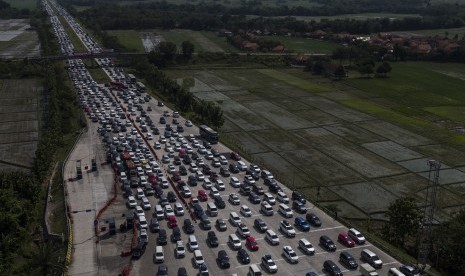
(368, 270)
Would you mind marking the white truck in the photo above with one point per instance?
(368, 270)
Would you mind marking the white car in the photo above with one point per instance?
(269, 264)
(132, 203)
(223, 160)
(168, 211)
(283, 198)
(220, 185)
(143, 235)
(178, 209)
(157, 145)
(234, 181)
(287, 229)
(306, 247)
(158, 256)
(242, 166)
(269, 198)
(180, 249)
(245, 211)
(243, 230)
(290, 254)
(234, 199)
(186, 192)
(198, 258)
(207, 184)
(188, 123)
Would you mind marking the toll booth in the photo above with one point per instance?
(78, 170)
(111, 226)
(94, 165)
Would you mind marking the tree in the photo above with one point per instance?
(318, 68)
(187, 49)
(449, 244)
(404, 220)
(45, 260)
(383, 69)
(340, 72)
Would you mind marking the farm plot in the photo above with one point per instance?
(313, 140)
(16, 40)
(19, 127)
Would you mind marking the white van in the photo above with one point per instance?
(234, 242)
(266, 208)
(271, 237)
(285, 210)
(234, 219)
(158, 256)
(254, 270)
(193, 244)
(159, 212)
(139, 193)
(212, 210)
(214, 192)
(143, 222)
(395, 272)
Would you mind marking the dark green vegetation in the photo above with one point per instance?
(24, 248)
(16, 8)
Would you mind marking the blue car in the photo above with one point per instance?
(302, 224)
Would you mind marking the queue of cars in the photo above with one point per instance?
(200, 173)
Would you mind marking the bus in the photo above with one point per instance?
(208, 134)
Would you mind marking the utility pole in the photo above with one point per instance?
(426, 229)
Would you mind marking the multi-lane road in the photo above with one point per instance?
(120, 107)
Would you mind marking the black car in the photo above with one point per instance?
(223, 259)
(221, 225)
(139, 250)
(244, 189)
(299, 207)
(162, 270)
(188, 226)
(332, 269)
(219, 202)
(348, 260)
(207, 145)
(171, 196)
(298, 196)
(162, 120)
(177, 160)
(182, 271)
(313, 219)
(252, 173)
(154, 225)
(191, 180)
(205, 222)
(260, 225)
(187, 159)
(176, 236)
(327, 243)
(243, 256)
(233, 168)
(254, 198)
(194, 156)
(163, 201)
(274, 188)
(206, 170)
(258, 189)
(212, 239)
(182, 170)
(215, 152)
(224, 171)
(161, 239)
(409, 270)
(269, 181)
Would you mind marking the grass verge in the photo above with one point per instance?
(77, 43)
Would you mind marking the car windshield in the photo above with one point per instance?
(292, 254)
(199, 258)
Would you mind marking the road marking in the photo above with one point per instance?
(324, 229)
(343, 249)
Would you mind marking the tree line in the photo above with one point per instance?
(7, 12)
(203, 17)
(23, 250)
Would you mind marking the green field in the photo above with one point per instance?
(303, 45)
(433, 32)
(418, 84)
(23, 4)
(294, 81)
(129, 38)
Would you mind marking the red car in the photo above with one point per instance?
(176, 176)
(152, 178)
(251, 243)
(202, 195)
(172, 222)
(345, 240)
(235, 156)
